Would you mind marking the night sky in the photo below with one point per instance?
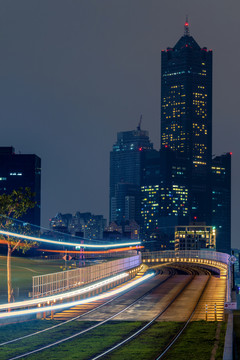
(74, 73)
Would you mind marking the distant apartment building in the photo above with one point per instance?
(21, 171)
(88, 225)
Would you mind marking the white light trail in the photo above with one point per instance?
(33, 238)
(78, 302)
(62, 296)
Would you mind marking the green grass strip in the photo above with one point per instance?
(86, 346)
(197, 342)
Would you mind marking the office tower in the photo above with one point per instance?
(164, 196)
(21, 171)
(125, 174)
(186, 115)
(221, 201)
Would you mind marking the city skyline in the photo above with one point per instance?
(116, 103)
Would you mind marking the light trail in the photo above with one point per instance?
(48, 241)
(79, 333)
(92, 252)
(75, 303)
(62, 296)
(61, 324)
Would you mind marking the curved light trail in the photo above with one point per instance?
(62, 296)
(78, 302)
(48, 241)
(82, 252)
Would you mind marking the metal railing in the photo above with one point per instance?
(214, 258)
(200, 254)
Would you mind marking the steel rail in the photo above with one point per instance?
(72, 319)
(175, 338)
(90, 328)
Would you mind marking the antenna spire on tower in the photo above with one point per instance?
(186, 27)
(139, 125)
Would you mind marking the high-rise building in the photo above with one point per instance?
(186, 115)
(21, 171)
(221, 201)
(125, 174)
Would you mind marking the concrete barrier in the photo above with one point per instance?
(228, 345)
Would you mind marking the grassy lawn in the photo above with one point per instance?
(149, 344)
(196, 343)
(22, 271)
(78, 348)
(12, 331)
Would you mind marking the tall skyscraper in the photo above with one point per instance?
(125, 174)
(221, 200)
(186, 115)
(21, 171)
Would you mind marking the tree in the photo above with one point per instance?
(14, 206)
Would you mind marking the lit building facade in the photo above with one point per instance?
(195, 237)
(21, 171)
(164, 195)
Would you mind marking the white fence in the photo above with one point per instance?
(54, 283)
(200, 254)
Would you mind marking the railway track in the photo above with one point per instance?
(108, 319)
(196, 270)
(169, 274)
